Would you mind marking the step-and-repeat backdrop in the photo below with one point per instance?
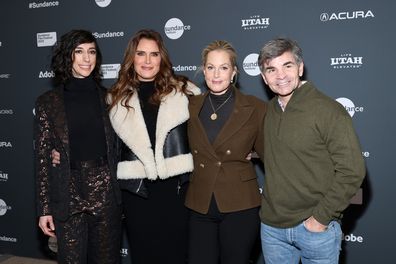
(349, 51)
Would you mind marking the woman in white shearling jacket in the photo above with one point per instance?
(149, 111)
(170, 156)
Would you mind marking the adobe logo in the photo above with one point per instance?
(352, 238)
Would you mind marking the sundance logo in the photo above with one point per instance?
(8, 239)
(46, 39)
(352, 238)
(250, 64)
(5, 144)
(324, 17)
(184, 68)
(4, 207)
(108, 34)
(350, 106)
(5, 75)
(174, 28)
(103, 3)
(366, 154)
(346, 61)
(255, 22)
(46, 74)
(110, 71)
(6, 112)
(44, 4)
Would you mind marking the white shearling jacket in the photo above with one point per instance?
(172, 156)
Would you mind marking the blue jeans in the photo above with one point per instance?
(290, 245)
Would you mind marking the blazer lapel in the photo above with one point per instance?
(60, 121)
(240, 115)
(131, 129)
(196, 125)
(106, 120)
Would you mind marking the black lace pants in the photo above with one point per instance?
(92, 235)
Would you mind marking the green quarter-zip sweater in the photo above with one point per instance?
(313, 162)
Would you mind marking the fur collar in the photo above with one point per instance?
(131, 128)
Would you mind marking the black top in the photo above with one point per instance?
(84, 119)
(213, 127)
(150, 110)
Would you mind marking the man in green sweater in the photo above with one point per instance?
(313, 163)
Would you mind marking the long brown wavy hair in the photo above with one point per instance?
(165, 81)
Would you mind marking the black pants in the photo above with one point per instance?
(157, 226)
(226, 238)
(92, 234)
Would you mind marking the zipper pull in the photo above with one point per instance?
(178, 188)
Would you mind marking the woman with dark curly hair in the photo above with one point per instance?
(149, 111)
(79, 199)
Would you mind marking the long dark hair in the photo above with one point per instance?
(62, 61)
(165, 81)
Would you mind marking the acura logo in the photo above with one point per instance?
(324, 17)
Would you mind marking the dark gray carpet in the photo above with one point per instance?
(6, 259)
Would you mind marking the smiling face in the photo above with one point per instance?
(218, 71)
(282, 75)
(147, 60)
(84, 60)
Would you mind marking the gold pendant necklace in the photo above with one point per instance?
(214, 115)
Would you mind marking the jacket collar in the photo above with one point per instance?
(238, 118)
(299, 94)
(131, 128)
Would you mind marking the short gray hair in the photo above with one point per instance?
(276, 47)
